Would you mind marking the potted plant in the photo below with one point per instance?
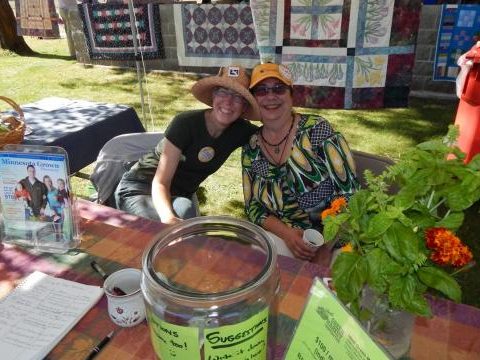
(401, 245)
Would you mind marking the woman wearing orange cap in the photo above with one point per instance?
(293, 167)
(196, 143)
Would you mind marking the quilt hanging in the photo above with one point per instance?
(342, 53)
(109, 35)
(37, 18)
(215, 35)
(459, 30)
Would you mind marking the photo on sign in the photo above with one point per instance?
(36, 199)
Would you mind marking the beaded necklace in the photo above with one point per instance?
(276, 147)
(278, 163)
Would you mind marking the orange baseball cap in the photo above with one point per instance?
(268, 70)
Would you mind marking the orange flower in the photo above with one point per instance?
(338, 204)
(431, 236)
(447, 248)
(327, 212)
(335, 207)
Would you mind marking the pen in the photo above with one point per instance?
(104, 275)
(98, 269)
(100, 346)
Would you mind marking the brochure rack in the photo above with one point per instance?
(37, 207)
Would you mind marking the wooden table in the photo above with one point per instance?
(117, 240)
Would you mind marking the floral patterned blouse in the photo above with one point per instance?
(319, 169)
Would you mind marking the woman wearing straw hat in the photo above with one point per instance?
(196, 143)
(293, 167)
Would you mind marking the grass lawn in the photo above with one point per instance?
(385, 131)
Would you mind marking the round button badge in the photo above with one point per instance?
(206, 154)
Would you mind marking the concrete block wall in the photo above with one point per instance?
(422, 81)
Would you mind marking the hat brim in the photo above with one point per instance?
(203, 91)
(266, 75)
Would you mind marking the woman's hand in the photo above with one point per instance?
(171, 220)
(292, 237)
(298, 247)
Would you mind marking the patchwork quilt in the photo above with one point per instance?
(342, 53)
(37, 18)
(459, 30)
(109, 34)
(215, 35)
(440, 2)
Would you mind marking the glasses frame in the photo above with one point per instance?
(264, 90)
(223, 93)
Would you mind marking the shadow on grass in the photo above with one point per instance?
(52, 56)
(405, 123)
(235, 208)
(124, 84)
(169, 92)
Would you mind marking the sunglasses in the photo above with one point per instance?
(263, 90)
(224, 93)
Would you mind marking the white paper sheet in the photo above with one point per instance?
(40, 312)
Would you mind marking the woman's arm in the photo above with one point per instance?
(161, 197)
(334, 160)
(343, 176)
(255, 211)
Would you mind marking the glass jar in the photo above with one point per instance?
(390, 327)
(210, 286)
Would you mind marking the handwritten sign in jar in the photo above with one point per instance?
(210, 286)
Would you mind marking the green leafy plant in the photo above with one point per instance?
(400, 229)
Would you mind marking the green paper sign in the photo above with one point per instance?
(173, 342)
(246, 340)
(328, 331)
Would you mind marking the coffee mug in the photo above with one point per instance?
(125, 300)
(313, 238)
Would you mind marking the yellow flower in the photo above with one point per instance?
(347, 248)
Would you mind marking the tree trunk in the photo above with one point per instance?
(9, 40)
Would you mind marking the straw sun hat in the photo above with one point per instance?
(231, 77)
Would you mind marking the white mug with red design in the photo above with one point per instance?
(125, 300)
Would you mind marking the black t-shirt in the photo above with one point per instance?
(202, 154)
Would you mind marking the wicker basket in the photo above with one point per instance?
(16, 123)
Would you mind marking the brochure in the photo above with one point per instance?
(36, 203)
(327, 330)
